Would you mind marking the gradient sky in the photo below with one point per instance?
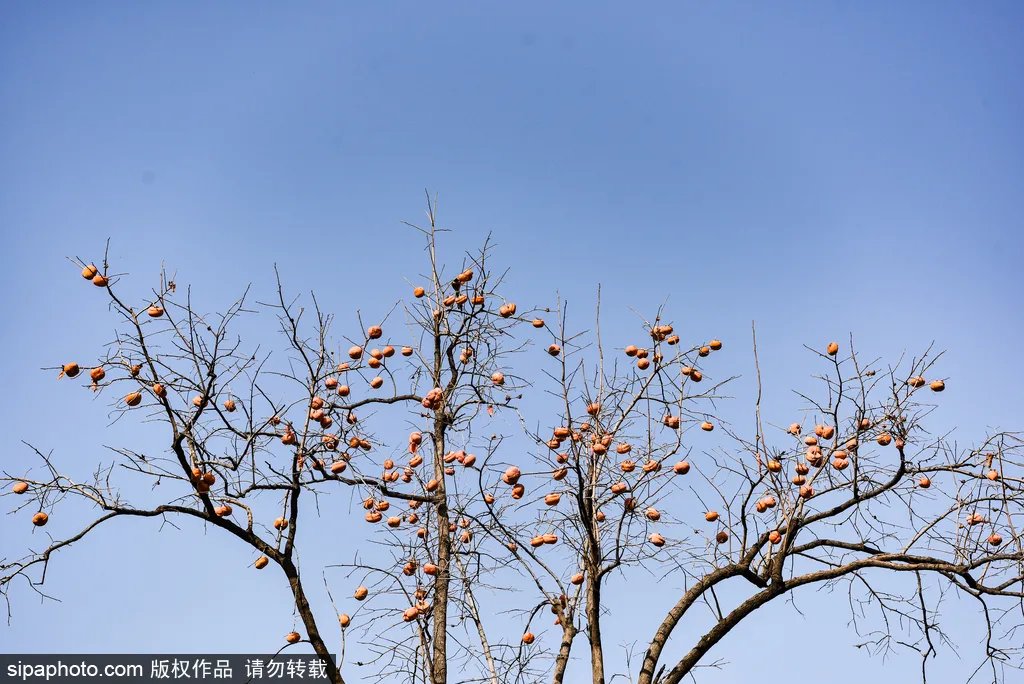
(821, 167)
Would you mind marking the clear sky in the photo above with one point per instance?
(821, 167)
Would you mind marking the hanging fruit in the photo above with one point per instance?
(69, 369)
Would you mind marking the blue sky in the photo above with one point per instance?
(823, 168)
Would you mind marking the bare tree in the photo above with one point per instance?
(861, 496)
(402, 417)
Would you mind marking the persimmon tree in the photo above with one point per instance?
(253, 441)
(856, 493)
(500, 458)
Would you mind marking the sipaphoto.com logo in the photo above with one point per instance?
(73, 670)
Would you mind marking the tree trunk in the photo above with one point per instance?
(562, 659)
(309, 622)
(592, 560)
(594, 625)
(444, 556)
(657, 645)
(716, 633)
